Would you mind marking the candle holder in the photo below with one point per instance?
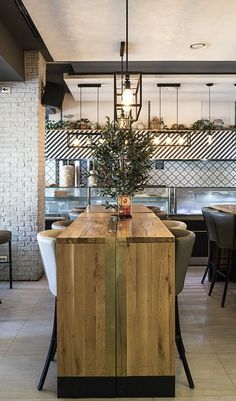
(124, 206)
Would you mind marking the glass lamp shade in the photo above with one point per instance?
(156, 141)
(181, 140)
(168, 140)
(127, 98)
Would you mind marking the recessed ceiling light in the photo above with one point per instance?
(197, 45)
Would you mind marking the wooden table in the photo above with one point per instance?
(228, 208)
(134, 209)
(115, 308)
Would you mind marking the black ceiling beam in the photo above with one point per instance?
(11, 57)
(157, 67)
(89, 85)
(17, 21)
(168, 85)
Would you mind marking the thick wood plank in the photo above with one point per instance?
(228, 208)
(86, 309)
(115, 298)
(94, 228)
(87, 228)
(134, 209)
(144, 227)
(145, 308)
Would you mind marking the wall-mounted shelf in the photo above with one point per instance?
(203, 144)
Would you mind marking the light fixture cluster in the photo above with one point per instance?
(171, 138)
(82, 139)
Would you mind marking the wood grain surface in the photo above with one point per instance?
(228, 208)
(115, 297)
(134, 209)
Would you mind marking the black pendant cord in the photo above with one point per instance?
(80, 103)
(177, 107)
(160, 107)
(209, 103)
(127, 37)
(98, 107)
(122, 76)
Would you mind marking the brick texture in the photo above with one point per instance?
(22, 168)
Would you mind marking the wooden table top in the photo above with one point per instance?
(228, 208)
(96, 228)
(102, 209)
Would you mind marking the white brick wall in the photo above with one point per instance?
(22, 168)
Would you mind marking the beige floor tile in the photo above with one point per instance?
(26, 316)
(220, 386)
(228, 360)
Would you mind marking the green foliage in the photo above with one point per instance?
(122, 160)
(202, 124)
(83, 123)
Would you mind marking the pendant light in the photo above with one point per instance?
(85, 139)
(128, 92)
(209, 100)
(174, 136)
(210, 139)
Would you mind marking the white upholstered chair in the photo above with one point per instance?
(175, 224)
(61, 225)
(184, 241)
(47, 245)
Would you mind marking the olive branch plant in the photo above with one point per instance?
(122, 160)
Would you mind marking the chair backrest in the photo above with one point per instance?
(175, 224)
(47, 245)
(61, 225)
(73, 215)
(184, 241)
(207, 213)
(225, 224)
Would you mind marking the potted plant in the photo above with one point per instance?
(83, 123)
(122, 163)
(203, 124)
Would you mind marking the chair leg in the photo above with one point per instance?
(54, 351)
(180, 346)
(205, 273)
(208, 262)
(10, 265)
(214, 274)
(226, 279)
(51, 351)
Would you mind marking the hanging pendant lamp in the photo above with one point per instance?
(128, 91)
(210, 138)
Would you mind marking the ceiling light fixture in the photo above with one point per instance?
(210, 138)
(175, 136)
(209, 100)
(198, 45)
(128, 92)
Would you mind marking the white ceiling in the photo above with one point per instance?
(82, 30)
(159, 30)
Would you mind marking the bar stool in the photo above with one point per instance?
(184, 241)
(158, 212)
(47, 246)
(225, 226)
(175, 224)
(75, 213)
(212, 240)
(61, 225)
(5, 237)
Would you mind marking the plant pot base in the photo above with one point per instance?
(127, 216)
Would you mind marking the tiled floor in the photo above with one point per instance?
(209, 335)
